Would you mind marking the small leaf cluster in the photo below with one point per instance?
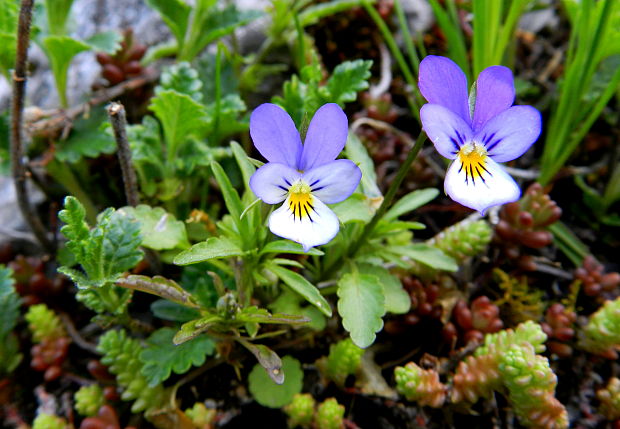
(120, 354)
(344, 359)
(9, 313)
(88, 400)
(602, 333)
(44, 323)
(49, 421)
(420, 385)
(609, 397)
(463, 239)
(303, 411)
(104, 252)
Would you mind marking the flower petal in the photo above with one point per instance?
(275, 135)
(272, 181)
(495, 92)
(493, 187)
(508, 135)
(317, 227)
(326, 137)
(335, 181)
(445, 129)
(443, 82)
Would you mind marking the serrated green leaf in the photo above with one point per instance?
(427, 255)
(361, 304)
(397, 299)
(303, 287)
(293, 99)
(61, 50)
(267, 392)
(410, 202)
(106, 41)
(213, 248)
(182, 78)
(87, 139)
(161, 356)
(9, 302)
(76, 229)
(180, 116)
(175, 14)
(160, 230)
(287, 246)
(347, 79)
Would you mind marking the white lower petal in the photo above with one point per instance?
(319, 226)
(491, 188)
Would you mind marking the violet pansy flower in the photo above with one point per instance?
(305, 177)
(477, 131)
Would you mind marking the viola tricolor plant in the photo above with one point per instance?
(305, 176)
(476, 131)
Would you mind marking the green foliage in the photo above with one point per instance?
(463, 239)
(57, 14)
(408, 380)
(344, 359)
(160, 230)
(9, 12)
(302, 97)
(105, 253)
(120, 354)
(213, 248)
(49, 421)
(397, 299)
(602, 333)
(161, 356)
(410, 202)
(303, 287)
(87, 139)
(107, 41)
(175, 14)
(361, 304)
(44, 324)
(182, 78)
(9, 313)
(61, 50)
(291, 303)
(528, 333)
(330, 415)
(267, 392)
(88, 400)
(300, 411)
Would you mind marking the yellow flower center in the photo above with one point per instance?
(473, 157)
(300, 200)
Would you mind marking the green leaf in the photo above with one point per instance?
(76, 229)
(357, 207)
(213, 248)
(60, 50)
(87, 139)
(267, 392)
(9, 302)
(397, 299)
(9, 12)
(107, 41)
(57, 14)
(175, 14)
(287, 246)
(160, 230)
(290, 303)
(427, 255)
(261, 315)
(303, 287)
(191, 330)
(230, 194)
(347, 80)
(161, 356)
(410, 202)
(361, 304)
(356, 152)
(182, 78)
(180, 116)
(313, 14)
(172, 311)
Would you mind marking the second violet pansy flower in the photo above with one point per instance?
(305, 176)
(476, 131)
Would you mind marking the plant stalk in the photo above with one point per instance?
(18, 168)
(116, 113)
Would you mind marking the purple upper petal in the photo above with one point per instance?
(272, 181)
(326, 137)
(335, 181)
(495, 92)
(509, 134)
(445, 129)
(274, 135)
(442, 82)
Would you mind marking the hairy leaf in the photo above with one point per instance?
(361, 304)
(160, 230)
(347, 80)
(87, 139)
(182, 78)
(268, 393)
(161, 356)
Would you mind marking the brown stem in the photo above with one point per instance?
(18, 168)
(116, 113)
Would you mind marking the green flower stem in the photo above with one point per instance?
(385, 204)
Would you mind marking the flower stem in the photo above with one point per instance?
(17, 149)
(385, 204)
